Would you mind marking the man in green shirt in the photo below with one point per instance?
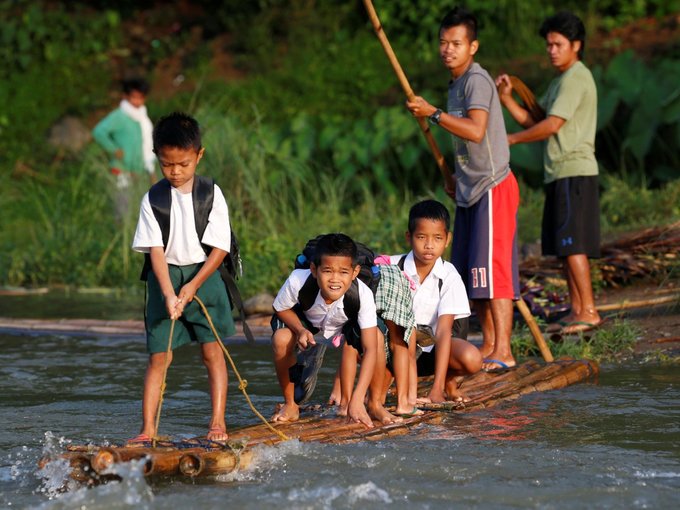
(571, 228)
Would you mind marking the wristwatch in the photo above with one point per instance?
(436, 116)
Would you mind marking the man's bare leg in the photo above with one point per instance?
(483, 310)
(153, 379)
(501, 314)
(577, 269)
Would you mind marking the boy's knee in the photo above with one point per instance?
(159, 360)
(282, 340)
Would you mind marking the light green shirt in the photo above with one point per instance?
(571, 96)
(118, 131)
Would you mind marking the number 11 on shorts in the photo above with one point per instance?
(478, 277)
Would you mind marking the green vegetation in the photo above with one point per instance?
(313, 137)
(612, 343)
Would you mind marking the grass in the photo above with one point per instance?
(613, 342)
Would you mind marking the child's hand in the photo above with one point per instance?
(187, 293)
(174, 306)
(305, 339)
(358, 414)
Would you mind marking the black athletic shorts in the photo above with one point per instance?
(571, 217)
(425, 361)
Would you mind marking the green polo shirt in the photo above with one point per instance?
(571, 96)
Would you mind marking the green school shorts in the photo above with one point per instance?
(192, 325)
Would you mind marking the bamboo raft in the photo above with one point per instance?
(92, 465)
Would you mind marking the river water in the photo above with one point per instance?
(613, 444)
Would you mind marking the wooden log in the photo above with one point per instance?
(214, 462)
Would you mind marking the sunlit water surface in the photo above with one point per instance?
(614, 444)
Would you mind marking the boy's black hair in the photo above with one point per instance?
(428, 210)
(177, 130)
(335, 245)
(567, 24)
(460, 16)
(132, 84)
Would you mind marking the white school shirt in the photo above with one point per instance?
(184, 247)
(329, 318)
(429, 303)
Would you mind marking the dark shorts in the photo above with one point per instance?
(425, 361)
(485, 243)
(277, 323)
(193, 324)
(353, 334)
(571, 217)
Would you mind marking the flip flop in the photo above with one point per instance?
(414, 412)
(502, 366)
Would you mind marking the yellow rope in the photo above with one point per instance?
(165, 374)
(242, 383)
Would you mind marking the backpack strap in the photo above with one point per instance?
(308, 293)
(401, 266)
(160, 201)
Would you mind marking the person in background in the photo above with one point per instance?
(126, 136)
(571, 226)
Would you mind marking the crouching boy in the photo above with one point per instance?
(439, 298)
(335, 270)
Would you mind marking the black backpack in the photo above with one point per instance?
(369, 273)
(203, 194)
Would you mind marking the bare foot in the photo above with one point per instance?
(437, 397)
(217, 433)
(457, 396)
(285, 413)
(582, 324)
(334, 400)
(379, 413)
(423, 400)
(341, 410)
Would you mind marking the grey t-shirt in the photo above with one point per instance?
(479, 166)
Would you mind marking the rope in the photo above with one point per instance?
(154, 439)
(528, 98)
(242, 383)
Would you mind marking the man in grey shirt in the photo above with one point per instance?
(487, 196)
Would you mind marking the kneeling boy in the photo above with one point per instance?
(335, 269)
(439, 298)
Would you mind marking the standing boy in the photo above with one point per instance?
(438, 299)
(571, 214)
(126, 135)
(487, 196)
(183, 266)
(335, 270)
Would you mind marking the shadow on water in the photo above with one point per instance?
(615, 444)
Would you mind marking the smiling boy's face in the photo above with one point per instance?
(428, 241)
(334, 275)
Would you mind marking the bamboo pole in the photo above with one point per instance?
(535, 330)
(403, 81)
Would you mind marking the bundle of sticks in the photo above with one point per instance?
(646, 253)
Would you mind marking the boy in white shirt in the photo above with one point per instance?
(183, 265)
(335, 271)
(439, 298)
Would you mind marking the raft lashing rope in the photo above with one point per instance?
(242, 383)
